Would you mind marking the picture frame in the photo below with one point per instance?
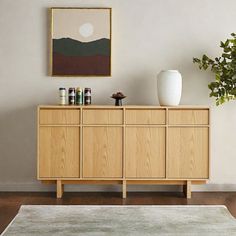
(80, 42)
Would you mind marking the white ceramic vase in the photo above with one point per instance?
(169, 87)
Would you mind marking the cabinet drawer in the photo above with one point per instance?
(59, 116)
(142, 117)
(102, 117)
(189, 117)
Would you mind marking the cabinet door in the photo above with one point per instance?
(188, 149)
(102, 152)
(58, 152)
(145, 152)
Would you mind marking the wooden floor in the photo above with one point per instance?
(11, 202)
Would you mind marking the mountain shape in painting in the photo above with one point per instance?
(72, 57)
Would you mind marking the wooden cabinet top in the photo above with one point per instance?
(122, 107)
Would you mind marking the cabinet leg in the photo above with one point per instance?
(60, 189)
(124, 187)
(187, 189)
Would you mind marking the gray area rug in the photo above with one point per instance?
(121, 220)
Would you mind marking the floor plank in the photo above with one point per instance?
(10, 202)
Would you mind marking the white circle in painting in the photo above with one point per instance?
(86, 30)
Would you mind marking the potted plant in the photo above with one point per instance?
(224, 68)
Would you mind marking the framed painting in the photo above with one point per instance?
(80, 42)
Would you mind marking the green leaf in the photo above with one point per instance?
(225, 55)
(222, 100)
(213, 94)
(204, 57)
(227, 43)
(196, 60)
(205, 66)
(217, 77)
(213, 85)
(233, 92)
(227, 49)
(222, 45)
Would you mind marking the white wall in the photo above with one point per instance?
(148, 36)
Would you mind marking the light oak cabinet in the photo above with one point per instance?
(123, 145)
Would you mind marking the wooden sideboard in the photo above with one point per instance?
(123, 145)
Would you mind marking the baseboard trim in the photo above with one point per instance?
(214, 188)
(38, 187)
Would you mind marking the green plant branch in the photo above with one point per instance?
(223, 89)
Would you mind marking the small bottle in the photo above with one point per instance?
(87, 96)
(62, 96)
(71, 96)
(79, 96)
